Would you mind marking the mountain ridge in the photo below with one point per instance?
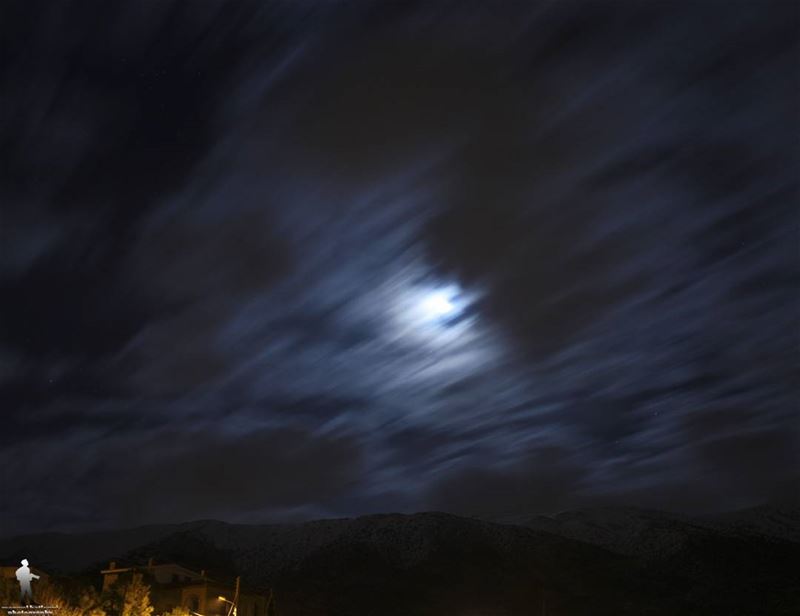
(611, 560)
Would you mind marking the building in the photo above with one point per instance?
(172, 585)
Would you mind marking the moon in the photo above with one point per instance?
(438, 304)
(432, 314)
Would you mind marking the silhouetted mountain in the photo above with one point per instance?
(776, 521)
(629, 530)
(743, 562)
(605, 561)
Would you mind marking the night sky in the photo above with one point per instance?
(270, 261)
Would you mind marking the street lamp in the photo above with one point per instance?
(231, 603)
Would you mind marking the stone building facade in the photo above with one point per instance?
(173, 585)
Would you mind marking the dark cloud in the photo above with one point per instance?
(72, 303)
(44, 424)
(746, 460)
(738, 468)
(219, 229)
(120, 102)
(136, 477)
(234, 474)
(549, 479)
(106, 116)
(373, 112)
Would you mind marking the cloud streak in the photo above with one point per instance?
(217, 229)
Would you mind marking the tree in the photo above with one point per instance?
(90, 603)
(135, 597)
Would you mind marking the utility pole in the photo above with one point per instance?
(232, 609)
(236, 595)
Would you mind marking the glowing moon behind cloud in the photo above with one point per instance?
(439, 304)
(433, 315)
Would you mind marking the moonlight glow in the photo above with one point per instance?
(439, 304)
(436, 314)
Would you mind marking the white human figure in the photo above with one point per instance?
(24, 576)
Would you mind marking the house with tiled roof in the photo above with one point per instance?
(173, 585)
